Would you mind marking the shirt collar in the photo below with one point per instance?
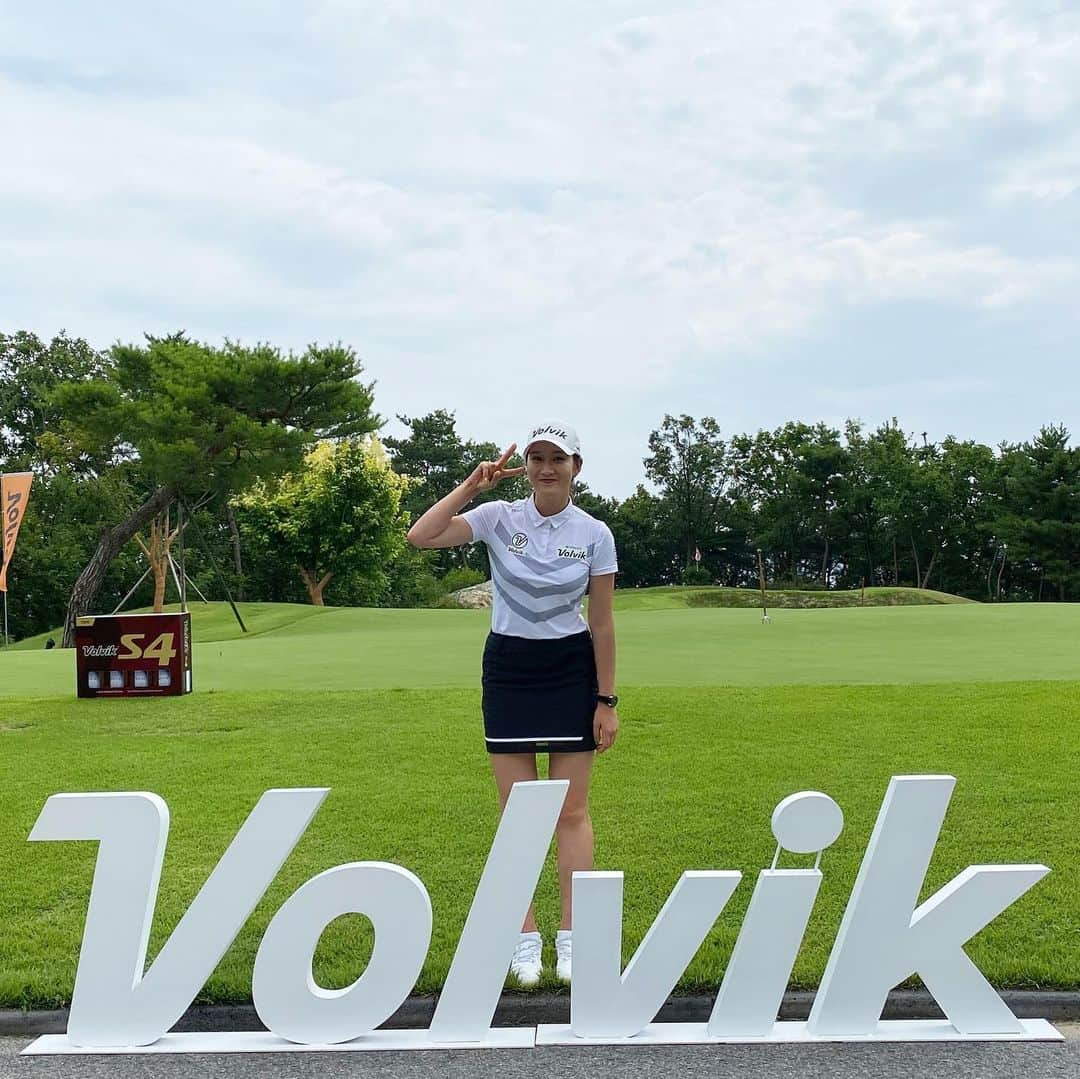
(536, 518)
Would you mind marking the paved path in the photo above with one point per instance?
(955, 1061)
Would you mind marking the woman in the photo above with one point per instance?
(548, 676)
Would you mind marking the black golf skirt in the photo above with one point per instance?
(539, 695)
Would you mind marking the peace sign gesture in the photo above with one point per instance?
(489, 474)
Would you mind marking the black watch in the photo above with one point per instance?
(609, 701)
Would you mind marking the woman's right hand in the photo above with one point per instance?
(489, 474)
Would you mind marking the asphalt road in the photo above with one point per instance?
(893, 1061)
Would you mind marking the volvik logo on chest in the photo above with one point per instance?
(580, 553)
(518, 542)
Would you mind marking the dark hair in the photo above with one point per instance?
(525, 455)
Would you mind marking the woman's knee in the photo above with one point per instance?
(574, 814)
(577, 768)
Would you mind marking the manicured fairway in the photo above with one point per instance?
(692, 784)
(348, 648)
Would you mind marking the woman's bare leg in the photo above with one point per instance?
(511, 768)
(573, 832)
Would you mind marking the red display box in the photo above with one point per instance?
(133, 655)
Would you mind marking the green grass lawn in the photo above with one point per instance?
(722, 717)
(342, 648)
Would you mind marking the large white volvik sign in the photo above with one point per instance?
(884, 938)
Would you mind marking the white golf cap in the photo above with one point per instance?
(556, 432)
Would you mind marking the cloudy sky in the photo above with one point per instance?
(597, 211)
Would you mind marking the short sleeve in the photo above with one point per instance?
(482, 520)
(604, 559)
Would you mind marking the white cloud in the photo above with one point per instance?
(1050, 177)
(630, 194)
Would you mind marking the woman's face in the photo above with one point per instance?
(550, 468)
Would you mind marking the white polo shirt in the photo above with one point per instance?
(540, 566)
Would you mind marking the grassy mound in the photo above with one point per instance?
(817, 598)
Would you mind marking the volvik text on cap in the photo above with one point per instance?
(556, 432)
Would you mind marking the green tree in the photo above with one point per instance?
(433, 454)
(30, 371)
(872, 515)
(688, 461)
(891, 472)
(75, 488)
(338, 519)
(647, 547)
(438, 459)
(603, 509)
(948, 491)
(787, 487)
(823, 467)
(1039, 518)
(58, 534)
(204, 420)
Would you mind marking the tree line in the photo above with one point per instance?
(266, 471)
(839, 509)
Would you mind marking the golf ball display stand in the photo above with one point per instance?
(133, 655)
(119, 1006)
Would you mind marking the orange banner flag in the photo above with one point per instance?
(14, 491)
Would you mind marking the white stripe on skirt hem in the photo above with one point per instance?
(537, 738)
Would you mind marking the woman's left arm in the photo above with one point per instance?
(602, 628)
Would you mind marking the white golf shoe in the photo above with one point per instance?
(527, 966)
(562, 952)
